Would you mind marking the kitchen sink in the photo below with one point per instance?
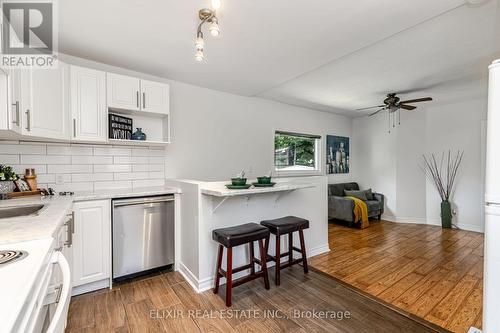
(16, 211)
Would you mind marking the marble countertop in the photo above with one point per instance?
(43, 224)
(219, 189)
(123, 193)
(56, 210)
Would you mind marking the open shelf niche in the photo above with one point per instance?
(156, 127)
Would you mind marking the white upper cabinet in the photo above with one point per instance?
(88, 104)
(155, 97)
(15, 107)
(130, 93)
(4, 100)
(44, 102)
(123, 92)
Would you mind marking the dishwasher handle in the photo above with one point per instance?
(142, 201)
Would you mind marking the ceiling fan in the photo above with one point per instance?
(393, 103)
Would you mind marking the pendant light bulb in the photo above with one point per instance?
(214, 29)
(199, 55)
(215, 4)
(199, 43)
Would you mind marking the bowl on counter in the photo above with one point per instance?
(238, 181)
(264, 180)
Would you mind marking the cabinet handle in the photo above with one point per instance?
(28, 120)
(137, 98)
(16, 104)
(143, 100)
(74, 127)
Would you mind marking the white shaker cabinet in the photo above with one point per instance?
(131, 93)
(155, 97)
(124, 92)
(91, 242)
(40, 102)
(88, 104)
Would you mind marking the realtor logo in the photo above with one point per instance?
(28, 34)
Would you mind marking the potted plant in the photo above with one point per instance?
(443, 175)
(7, 178)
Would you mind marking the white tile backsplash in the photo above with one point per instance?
(113, 168)
(86, 167)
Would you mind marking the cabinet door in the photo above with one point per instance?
(15, 106)
(45, 102)
(123, 92)
(4, 108)
(155, 97)
(88, 104)
(92, 242)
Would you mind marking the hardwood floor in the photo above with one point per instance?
(426, 271)
(166, 303)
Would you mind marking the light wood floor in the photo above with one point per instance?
(127, 308)
(427, 271)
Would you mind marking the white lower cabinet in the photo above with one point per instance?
(91, 245)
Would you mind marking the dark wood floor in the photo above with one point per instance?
(427, 271)
(133, 306)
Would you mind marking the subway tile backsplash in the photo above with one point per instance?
(76, 167)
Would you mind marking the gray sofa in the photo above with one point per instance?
(341, 208)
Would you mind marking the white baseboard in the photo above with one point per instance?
(208, 282)
(85, 288)
(436, 222)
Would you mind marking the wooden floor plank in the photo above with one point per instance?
(139, 306)
(428, 271)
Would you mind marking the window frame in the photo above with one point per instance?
(298, 173)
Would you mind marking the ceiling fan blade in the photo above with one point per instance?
(371, 107)
(425, 99)
(374, 113)
(407, 107)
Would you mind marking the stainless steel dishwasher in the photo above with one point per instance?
(143, 234)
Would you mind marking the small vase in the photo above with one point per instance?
(139, 135)
(7, 186)
(445, 214)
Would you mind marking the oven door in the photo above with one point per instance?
(52, 310)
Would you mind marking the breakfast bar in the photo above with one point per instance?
(207, 206)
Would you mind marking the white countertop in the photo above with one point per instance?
(42, 225)
(123, 193)
(18, 280)
(219, 189)
(46, 222)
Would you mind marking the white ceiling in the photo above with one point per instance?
(328, 55)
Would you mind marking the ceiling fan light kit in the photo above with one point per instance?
(393, 104)
(206, 15)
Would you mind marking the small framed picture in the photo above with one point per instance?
(22, 185)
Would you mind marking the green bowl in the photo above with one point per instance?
(264, 180)
(238, 181)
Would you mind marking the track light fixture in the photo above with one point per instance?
(206, 15)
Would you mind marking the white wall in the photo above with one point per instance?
(389, 162)
(215, 135)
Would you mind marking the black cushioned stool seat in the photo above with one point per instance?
(287, 226)
(239, 235)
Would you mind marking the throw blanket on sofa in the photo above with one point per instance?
(360, 212)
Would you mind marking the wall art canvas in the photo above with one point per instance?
(337, 154)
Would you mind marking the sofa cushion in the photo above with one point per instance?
(373, 205)
(357, 194)
(338, 189)
(369, 194)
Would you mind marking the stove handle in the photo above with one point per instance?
(61, 312)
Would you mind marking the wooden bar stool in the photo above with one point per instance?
(287, 226)
(234, 236)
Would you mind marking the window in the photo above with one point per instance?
(296, 153)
